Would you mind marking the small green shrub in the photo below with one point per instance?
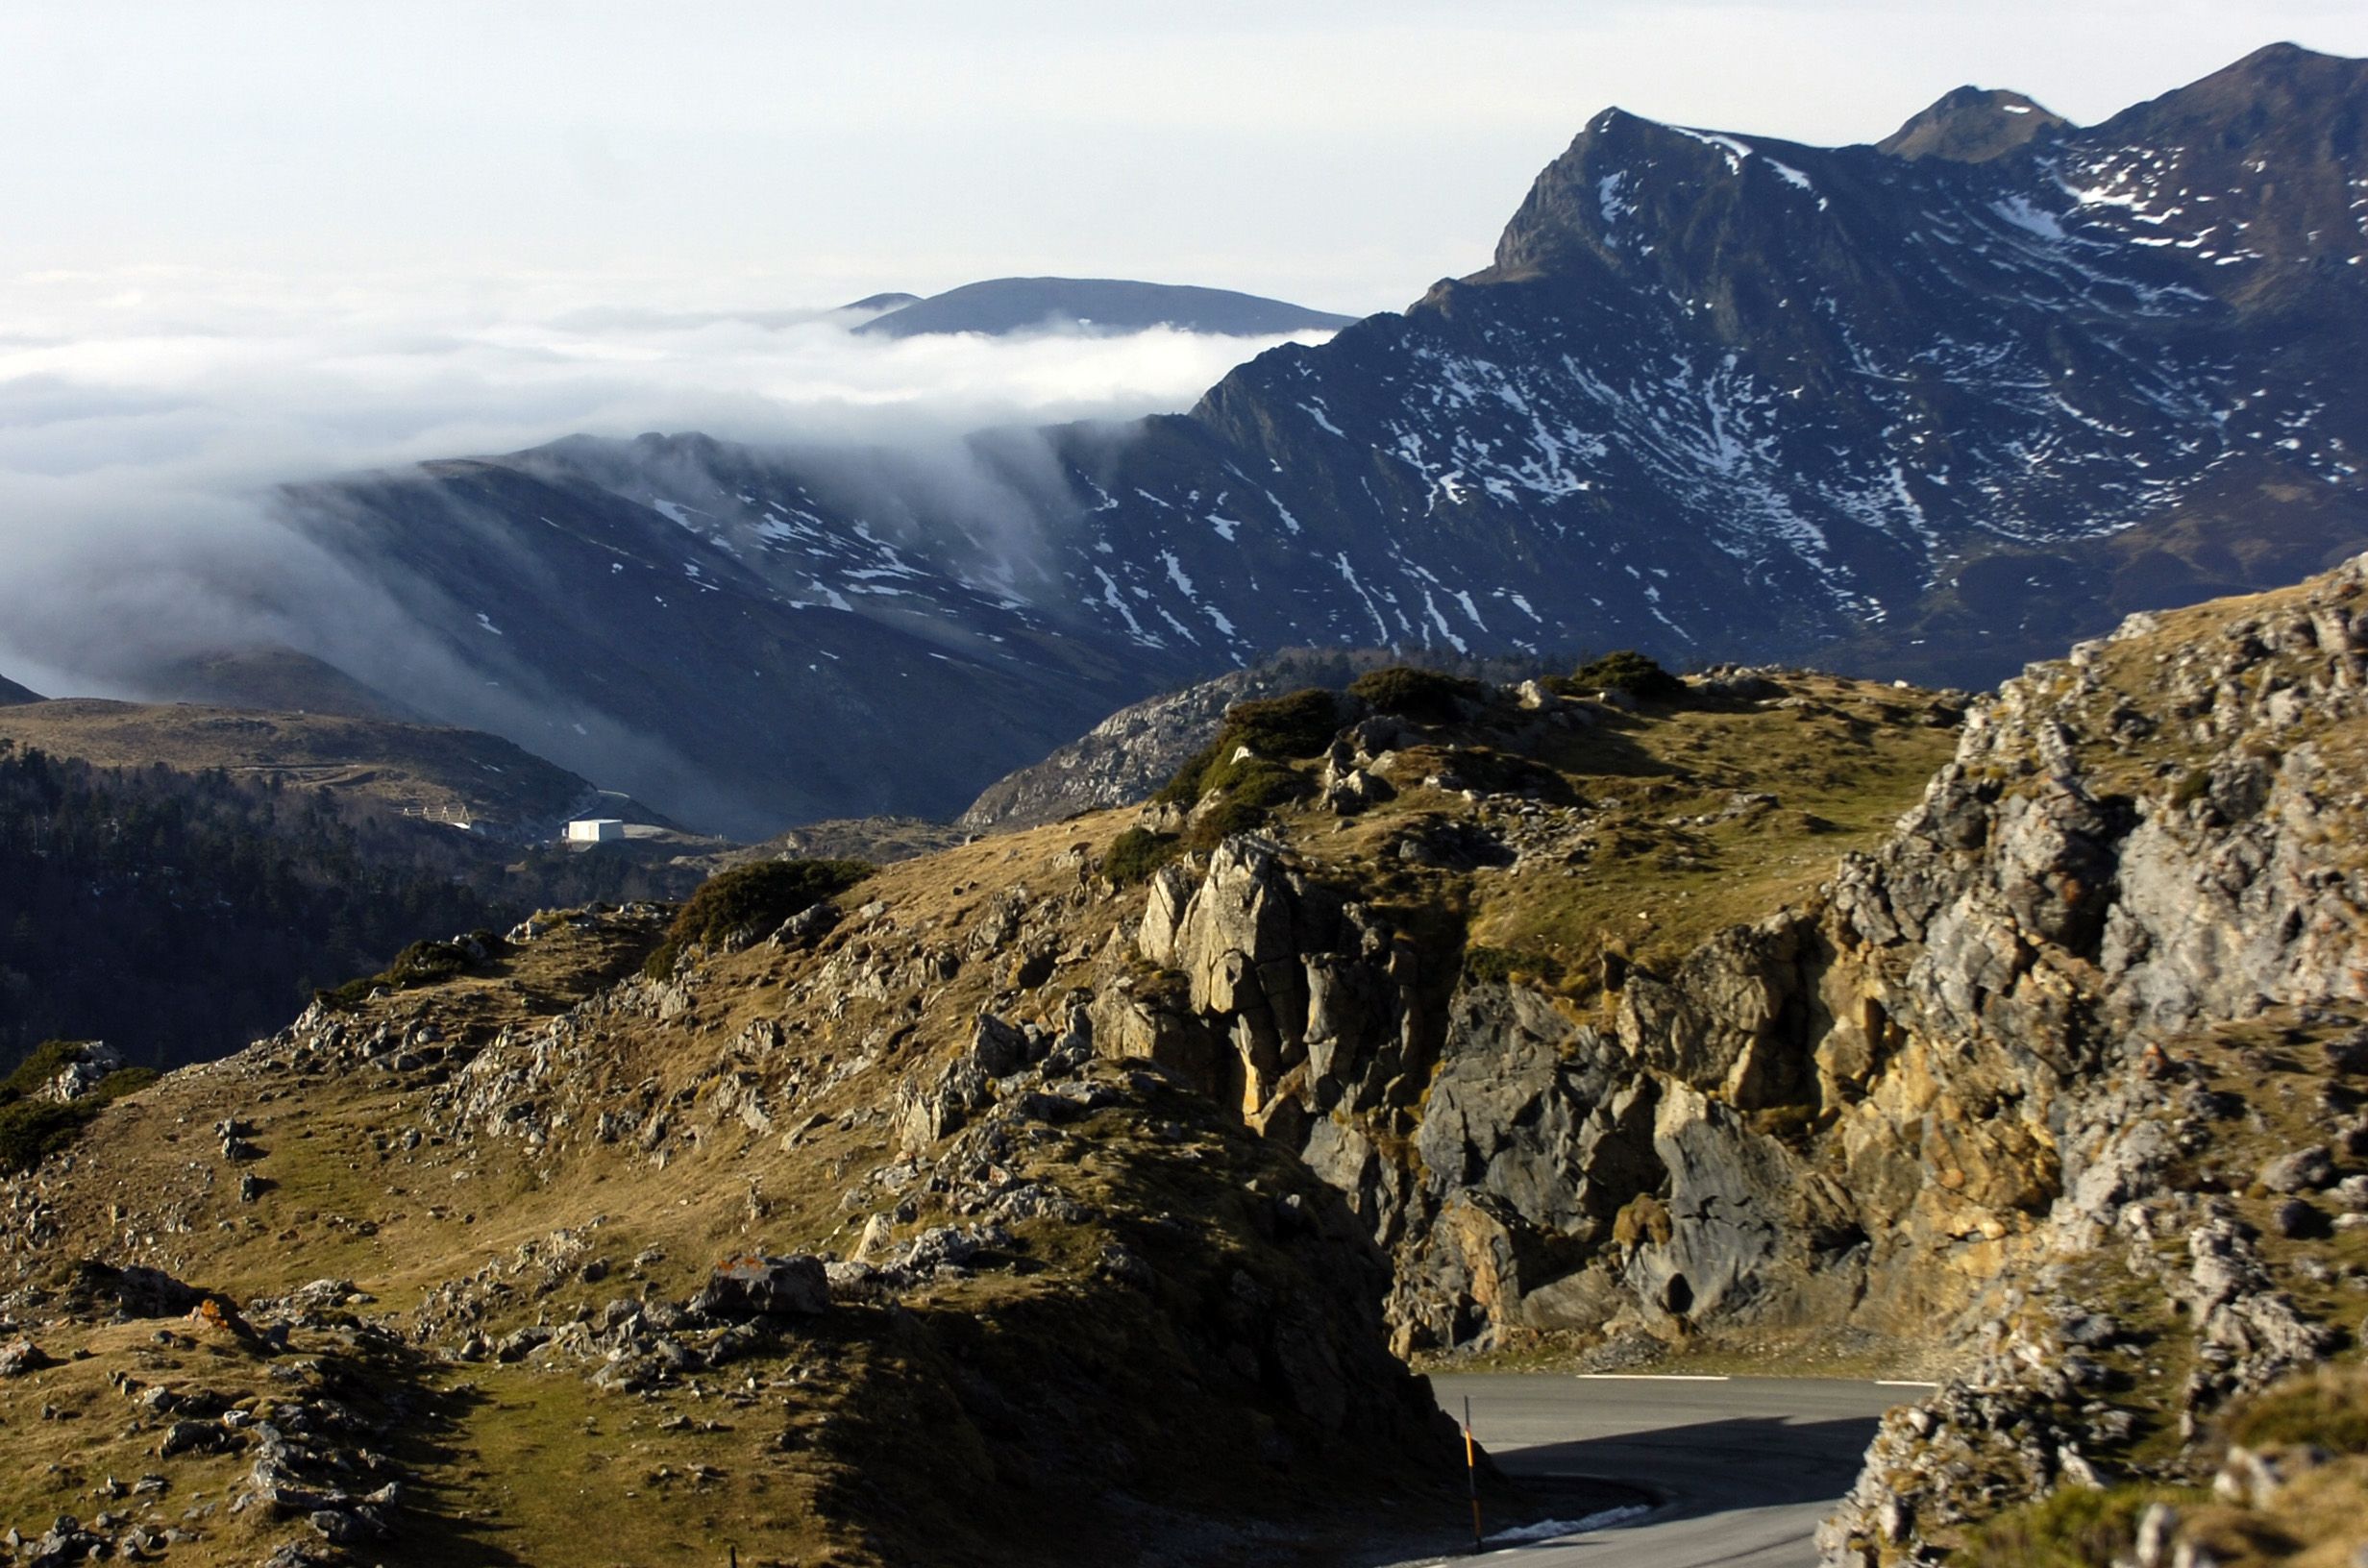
(425, 963)
(349, 996)
(1506, 773)
(1185, 786)
(1300, 724)
(1424, 695)
(31, 1129)
(1628, 671)
(1263, 785)
(2327, 1409)
(1224, 820)
(1274, 728)
(1136, 853)
(1246, 792)
(751, 897)
(2074, 1528)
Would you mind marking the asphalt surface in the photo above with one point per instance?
(1745, 1467)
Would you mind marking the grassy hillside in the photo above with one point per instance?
(430, 772)
(1167, 1322)
(1047, 1261)
(1099, 1313)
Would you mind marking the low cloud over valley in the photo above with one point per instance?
(147, 418)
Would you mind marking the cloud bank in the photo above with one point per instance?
(144, 418)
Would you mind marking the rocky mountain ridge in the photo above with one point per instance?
(2144, 841)
(1130, 754)
(275, 680)
(1972, 126)
(1943, 1091)
(1717, 397)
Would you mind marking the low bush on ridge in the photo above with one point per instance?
(425, 963)
(1136, 853)
(751, 899)
(1628, 671)
(1424, 695)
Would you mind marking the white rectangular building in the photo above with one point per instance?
(595, 829)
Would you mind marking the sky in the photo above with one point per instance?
(244, 242)
(1345, 153)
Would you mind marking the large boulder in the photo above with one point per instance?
(754, 1285)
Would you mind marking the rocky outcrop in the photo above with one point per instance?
(76, 1079)
(760, 1287)
(1316, 1003)
(1126, 756)
(1860, 1111)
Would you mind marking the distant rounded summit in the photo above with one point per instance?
(1005, 306)
(1971, 125)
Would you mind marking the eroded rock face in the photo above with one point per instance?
(1313, 1001)
(1865, 1109)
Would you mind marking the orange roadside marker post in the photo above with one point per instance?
(1471, 1475)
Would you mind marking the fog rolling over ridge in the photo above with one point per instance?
(679, 597)
(149, 421)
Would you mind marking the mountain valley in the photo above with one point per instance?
(179, 877)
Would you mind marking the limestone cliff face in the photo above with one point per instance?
(1858, 1113)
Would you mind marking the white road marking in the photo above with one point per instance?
(1653, 1377)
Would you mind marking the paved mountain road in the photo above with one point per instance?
(1748, 1465)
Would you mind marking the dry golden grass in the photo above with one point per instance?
(848, 1419)
(1842, 763)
